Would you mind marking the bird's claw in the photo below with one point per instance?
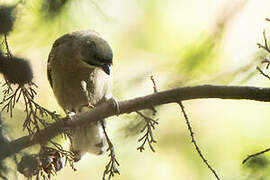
(116, 105)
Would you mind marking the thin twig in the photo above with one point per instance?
(150, 124)
(265, 46)
(7, 47)
(194, 141)
(262, 46)
(265, 40)
(266, 61)
(68, 155)
(265, 75)
(154, 83)
(155, 91)
(254, 155)
(35, 113)
(111, 167)
(148, 136)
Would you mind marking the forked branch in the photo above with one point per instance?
(148, 129)
(111, 168)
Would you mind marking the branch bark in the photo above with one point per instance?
(128, 106)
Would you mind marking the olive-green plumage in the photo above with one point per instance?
(79, 73)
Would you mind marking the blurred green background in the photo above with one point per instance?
(180, 43)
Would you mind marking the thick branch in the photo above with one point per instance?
(144, 102)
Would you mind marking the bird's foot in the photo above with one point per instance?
(114, 101)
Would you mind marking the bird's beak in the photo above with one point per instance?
(107, 68)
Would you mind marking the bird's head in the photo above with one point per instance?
(86, 46)
(95, 51)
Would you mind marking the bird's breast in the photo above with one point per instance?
(70, 93)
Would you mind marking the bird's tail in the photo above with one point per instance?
(89, 138)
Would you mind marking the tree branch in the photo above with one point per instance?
(254, 155)
(145, 102)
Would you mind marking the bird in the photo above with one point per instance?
(79, 72)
